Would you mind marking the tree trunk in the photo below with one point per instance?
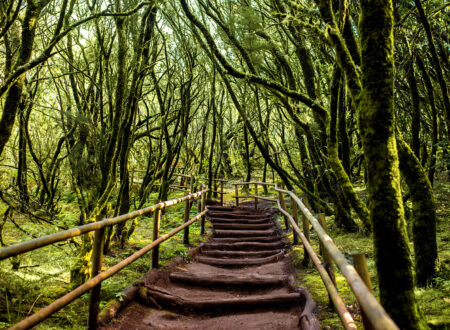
(376, 124)
(14, 94)
(424, 214)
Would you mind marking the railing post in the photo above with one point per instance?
(187, 208)
(191, 186)
(295, 216)
(256, 194)
(97, 258)
(324, 252)
(221, 193)
(360, 263)
(283, 205)
(155, 251)
(305, 224)
(203, 206)
(236, 190)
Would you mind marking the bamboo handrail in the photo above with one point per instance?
(183, 175)
(71, 296)
(219, 192)
(254, 182)
(376, 314)
(344, 314)
(255, 196)
(36, 243)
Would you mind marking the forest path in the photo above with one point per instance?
(241, 279)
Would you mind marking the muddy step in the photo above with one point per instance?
(242, 246)
(247, 221)
(237, 215)
(246, 239)
(233, 262)
(241, 254)
(242, 226)
(206, 279)
(220, 208)
(144, 318)
(219, 305)
(242, 233)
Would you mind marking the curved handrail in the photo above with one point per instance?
(344, 314)
(376, 314)
(95, 282)
(37, 243)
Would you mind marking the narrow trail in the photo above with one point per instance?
(241, 279)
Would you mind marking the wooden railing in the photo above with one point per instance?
(188, 185)
(374, 315)
(94, 284)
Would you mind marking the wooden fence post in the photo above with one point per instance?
(221, 193)
(305, 223)
(191, 186)
(256, 194)
(187, 208)
(155, 251)
(295, 216)
(203, 206)
(360, 263)
(283, 206)
(97, 259)
(236, 190)
(326, 256)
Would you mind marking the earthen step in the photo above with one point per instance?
(237, 215)
(221, 305)
(242, 233)
(253, 280)
(242, 226)
(242, 246)
(246, 239)
(220, 208)
(241, 254)
(232, 262)
(249, 221)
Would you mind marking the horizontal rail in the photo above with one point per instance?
(182, 175)
(342, 311)
(376, 314)
(216, 180)
(255, 182)
(255, 196)
(88, 285)
(34, 244)
(219, 192)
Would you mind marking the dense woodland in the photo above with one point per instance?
(102, 101)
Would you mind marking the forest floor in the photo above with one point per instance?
(43, 275)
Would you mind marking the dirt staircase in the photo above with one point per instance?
(241, 279)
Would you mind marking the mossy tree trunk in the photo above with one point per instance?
(424, 214)
(333, 154)
(431, 165)
(14, 94)
(376, 124)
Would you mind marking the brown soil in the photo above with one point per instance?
(241, 279)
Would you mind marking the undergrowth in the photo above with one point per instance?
(43, 275)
